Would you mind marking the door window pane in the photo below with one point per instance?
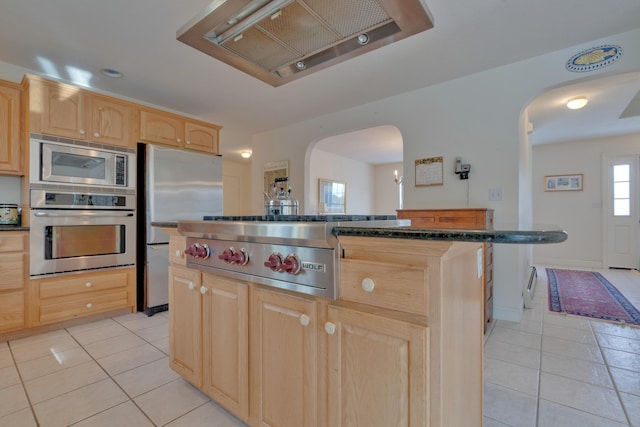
(621, 190)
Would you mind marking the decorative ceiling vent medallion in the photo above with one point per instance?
(594, 58)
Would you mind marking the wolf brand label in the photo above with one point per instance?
(313, 266)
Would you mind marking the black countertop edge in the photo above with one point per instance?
(488, 236)
(13, 228)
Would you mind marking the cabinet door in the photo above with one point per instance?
(10, 130)
(160, 128)
(283, 360)
(201, 138)
(64, 111)
(377, 371)
(110, 122)
(12, 271)
(225, 336)
(185, 319)
(11, 311)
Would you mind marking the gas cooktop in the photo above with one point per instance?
(301, 218)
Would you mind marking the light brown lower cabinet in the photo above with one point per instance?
(13, 270)
(61, 298)
(278, 359)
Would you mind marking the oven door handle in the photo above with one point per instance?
(83, 214)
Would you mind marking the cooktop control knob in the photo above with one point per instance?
(226, 255)
(240, 257)
(292, 264)
(197, 250)
(275, 262)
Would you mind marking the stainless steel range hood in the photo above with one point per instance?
(278, 41)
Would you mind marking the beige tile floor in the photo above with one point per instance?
(553, 370)
(548, 370)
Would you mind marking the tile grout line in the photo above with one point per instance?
(24, 388)
(615, 384)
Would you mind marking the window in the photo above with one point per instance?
(621, 190)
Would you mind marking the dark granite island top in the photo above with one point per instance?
(531, 236)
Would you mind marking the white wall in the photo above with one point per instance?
(579, 213)
(358, 177)
(477, 117)
(386, 190)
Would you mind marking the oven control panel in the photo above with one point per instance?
(298, 268)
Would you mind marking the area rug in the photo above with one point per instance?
(587, 293)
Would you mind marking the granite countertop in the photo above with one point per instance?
(13, 228)
(534, 235)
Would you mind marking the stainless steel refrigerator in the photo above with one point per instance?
(173, 185)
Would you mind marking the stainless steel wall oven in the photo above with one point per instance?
(78, 230)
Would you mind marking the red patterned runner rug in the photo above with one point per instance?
(587, 293)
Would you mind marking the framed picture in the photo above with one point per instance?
(332, 196)
(563, 182)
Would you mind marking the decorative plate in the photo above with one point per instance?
(594, 58)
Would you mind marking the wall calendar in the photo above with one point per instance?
(429, 171)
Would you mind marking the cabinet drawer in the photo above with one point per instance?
(82, 305)
(11, 311)
(397, 287)
(177, 246)
(81, 285)
(12, 271)
(13, 242)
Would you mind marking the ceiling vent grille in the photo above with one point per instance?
(281, 40)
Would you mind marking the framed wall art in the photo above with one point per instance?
(332, 197)
(563, 182)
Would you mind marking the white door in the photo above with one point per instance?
(620, 210)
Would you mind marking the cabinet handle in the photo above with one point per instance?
(368, 284)
(88, 284)
(203, 290)
(96, 135)
(330, 328)
(179, 253)
(304, 320)
(81, 132)
(89, 305)
(192, 286)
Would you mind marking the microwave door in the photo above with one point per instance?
(63, 164)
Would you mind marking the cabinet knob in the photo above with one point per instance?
(89, 305)
(178, 140)
(179, 253)
(96, 135)
(203, 290)
(188, 142)
(368, 284)
(88, 284)
(192, 286)
(304, 320)
(330, 328)
(81, 132)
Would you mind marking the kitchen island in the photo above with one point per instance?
(400, 342)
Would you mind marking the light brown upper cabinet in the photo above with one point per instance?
(10, 163)
(64, 110)
(160, 127)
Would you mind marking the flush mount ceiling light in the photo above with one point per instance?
(245, 154)
(577, 103)
(109, 72)
(269, 38)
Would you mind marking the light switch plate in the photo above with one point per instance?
(495, 194)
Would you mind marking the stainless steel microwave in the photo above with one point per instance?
(67, 163)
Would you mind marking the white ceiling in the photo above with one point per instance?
(73, 40)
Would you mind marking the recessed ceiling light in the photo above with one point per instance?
(577, 103)
(109, 72)
(245, 154)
